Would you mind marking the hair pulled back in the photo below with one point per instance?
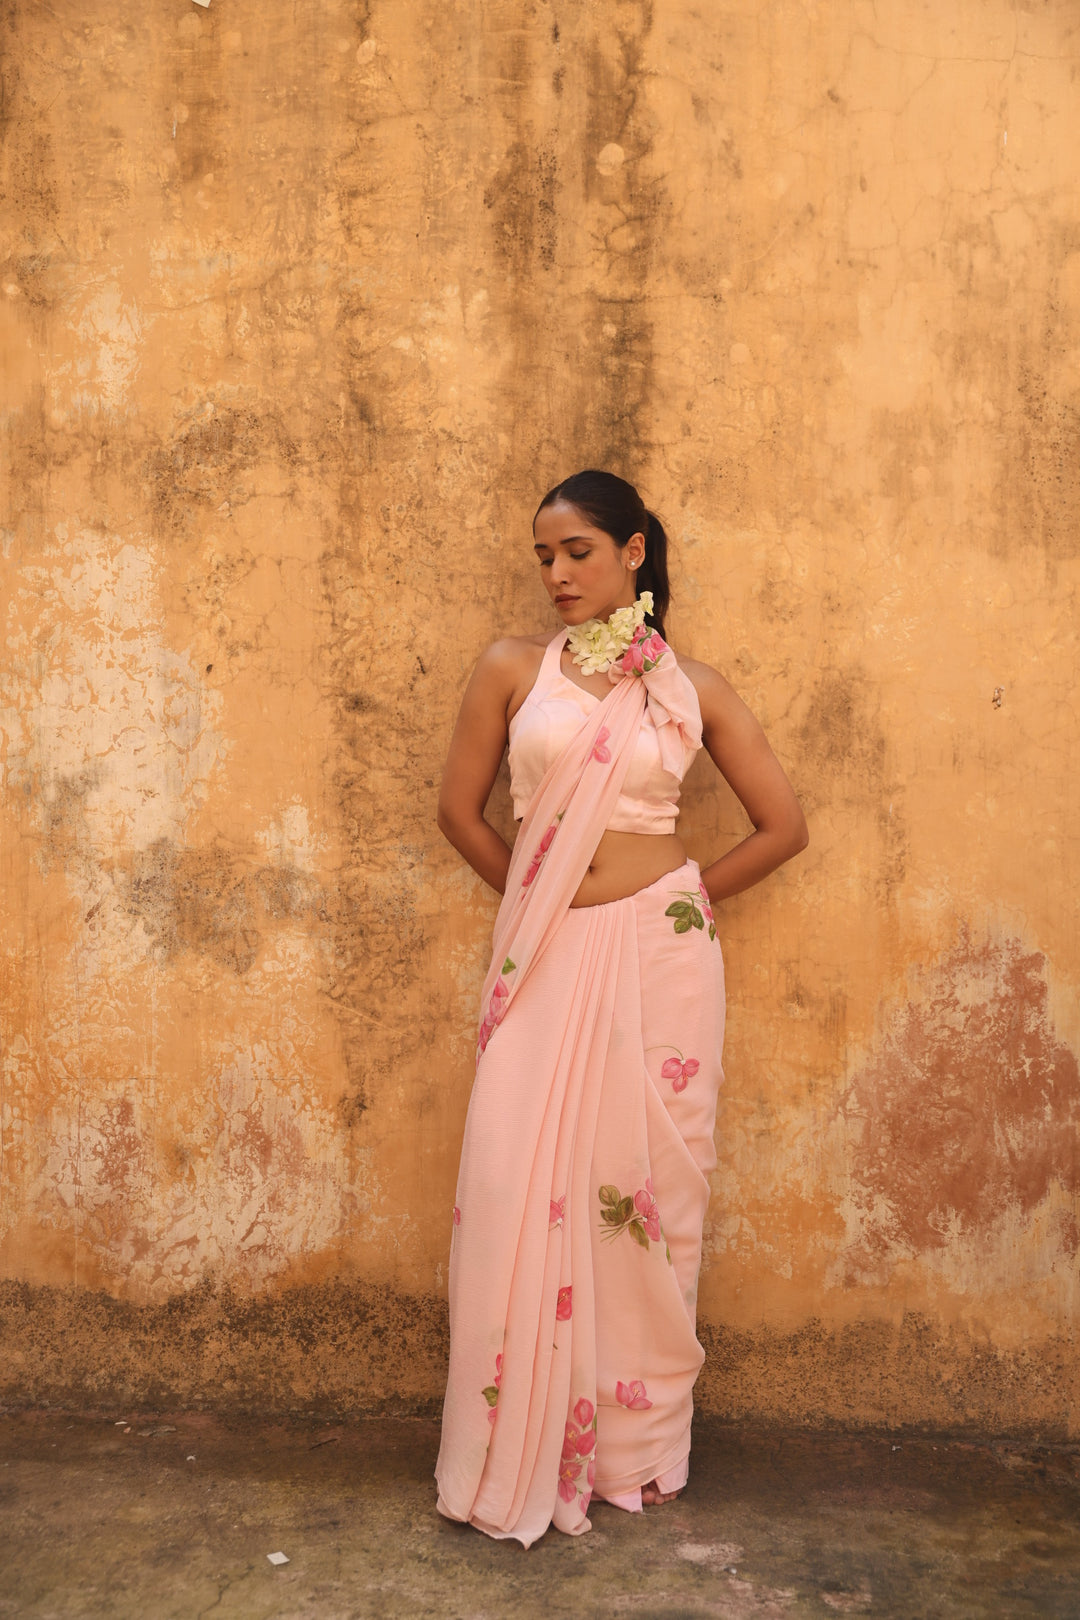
(615, 506)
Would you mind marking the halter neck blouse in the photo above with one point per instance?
(548, 719)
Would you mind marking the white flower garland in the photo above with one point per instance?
(599, 643)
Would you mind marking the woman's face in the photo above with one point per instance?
(585, 573)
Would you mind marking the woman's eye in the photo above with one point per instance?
(579, 556)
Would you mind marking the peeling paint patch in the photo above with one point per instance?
(110, 731)
(969, 1105)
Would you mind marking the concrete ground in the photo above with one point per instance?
(174, 1516)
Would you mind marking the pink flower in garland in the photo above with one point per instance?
(679, 1072)
(644, 652)
(564, 1305)
(632, 1396)
(600, 753)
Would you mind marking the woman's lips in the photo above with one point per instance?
(560, 601)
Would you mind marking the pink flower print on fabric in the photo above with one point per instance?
(679, 1072)
(541, 850)
(569, 1473)
(645, 1204)
(496, 1008)
(644, 652)
(632, 1396)
(637, 1215)
(564, 1305)
(457, 1216)
(706, 906)
(601, 753)
(579, 1443)
(556, 1210)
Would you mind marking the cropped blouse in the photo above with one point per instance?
(544, 725)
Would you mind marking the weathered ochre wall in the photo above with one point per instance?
(303, 307)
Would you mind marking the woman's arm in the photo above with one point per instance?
(741, 752)
(476, 751)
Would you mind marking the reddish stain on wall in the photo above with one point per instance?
(970, 1103)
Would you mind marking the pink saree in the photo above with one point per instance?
(584, 1171)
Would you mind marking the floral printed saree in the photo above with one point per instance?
(583, 1184)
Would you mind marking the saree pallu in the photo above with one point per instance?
(583, 1185)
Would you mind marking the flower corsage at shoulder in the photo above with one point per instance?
(644, 652)
(599, 644)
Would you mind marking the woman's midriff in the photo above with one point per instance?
(626, 862)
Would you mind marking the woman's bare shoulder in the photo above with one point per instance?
(513, 652)
(510, 661)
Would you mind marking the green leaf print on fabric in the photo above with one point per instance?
(637, 1215)
(688, 912)
(491, 1393)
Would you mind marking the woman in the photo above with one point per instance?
(589, 1139)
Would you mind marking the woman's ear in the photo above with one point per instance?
(634, 551)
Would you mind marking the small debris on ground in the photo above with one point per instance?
(277, 1558)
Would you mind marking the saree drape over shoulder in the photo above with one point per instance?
(583, 1184)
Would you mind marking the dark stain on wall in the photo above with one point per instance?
(199, 93)
(205, 461)
(1047, 441)
(969, 1105)
(365, 1350)
(842, 733)
(211, 902)
(521, 200)
(877, 1372)
(324, 1346)
(841, 730)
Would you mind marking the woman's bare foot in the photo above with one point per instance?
(651, 1496)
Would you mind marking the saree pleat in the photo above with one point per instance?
(583, 1179)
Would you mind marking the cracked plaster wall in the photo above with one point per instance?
(300, 310)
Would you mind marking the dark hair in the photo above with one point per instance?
(615, 506)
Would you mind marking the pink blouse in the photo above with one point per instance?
(544, 725)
